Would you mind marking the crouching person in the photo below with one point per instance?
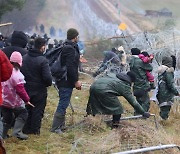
(166, 88)
(14, 96)
(104, 94)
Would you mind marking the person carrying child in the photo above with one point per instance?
(14, 99)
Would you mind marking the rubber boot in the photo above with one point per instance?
(6, 127)
(58, 123)
(17, 130)
(115, 121)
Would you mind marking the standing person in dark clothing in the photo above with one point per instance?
(19, 41)
(38, 77)
(141, 85)
(166, 87)
(42, 28)
(69, 58)
(52, 31)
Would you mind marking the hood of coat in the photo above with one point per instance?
(120, 76)
(69, 42)
(163, 68)
(35, 53)
(124, 77)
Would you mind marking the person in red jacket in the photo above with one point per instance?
(5, 73)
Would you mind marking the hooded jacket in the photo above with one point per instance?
(19, 41)
(166, 88)
(103, 95)
(37, 73)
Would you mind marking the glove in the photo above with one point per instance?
(146, 114)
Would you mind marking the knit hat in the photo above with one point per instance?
(121, 48)
(167, 61)
(16, 57)
(19, 38)
(72, 33)
(135, 51)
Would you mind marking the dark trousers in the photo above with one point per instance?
(35, 114)
(1, 125)
(144, 101)
(9, 114)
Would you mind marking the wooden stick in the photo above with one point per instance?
(6, 24)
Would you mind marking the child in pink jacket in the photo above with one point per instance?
(14, 99)
(146, 58)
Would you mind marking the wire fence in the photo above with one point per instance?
(91, 135)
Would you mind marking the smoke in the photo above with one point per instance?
(90, 24)
(23, 19)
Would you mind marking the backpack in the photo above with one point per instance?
(53, 54)
(58, 71)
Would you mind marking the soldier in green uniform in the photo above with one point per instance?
(141, 85)
(104, 94)
(166, 88)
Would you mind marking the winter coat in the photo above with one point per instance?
(37, 73)
(166, 88)
(145, 59)
(10, 49)
(103, 95)
(140, 68)
(70, 58)
(111, 56)
(11, 97)
(5, 71)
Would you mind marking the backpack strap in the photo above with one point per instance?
(61, 48)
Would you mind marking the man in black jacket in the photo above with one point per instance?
(69, 58)
(38, 77)
(19, 41)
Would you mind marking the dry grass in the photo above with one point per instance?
(92, 135)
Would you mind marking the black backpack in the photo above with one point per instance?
(58, 71)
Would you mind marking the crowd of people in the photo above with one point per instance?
(25, 76)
